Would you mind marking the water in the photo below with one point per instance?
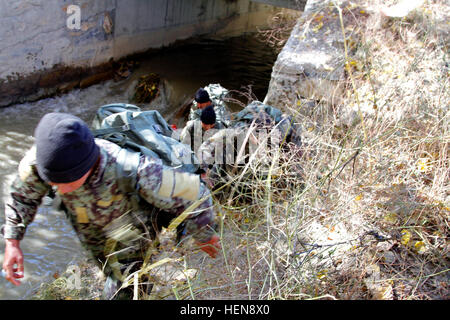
(50, 245)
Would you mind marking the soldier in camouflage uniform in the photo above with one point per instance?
(257, 129)
(196, 131)
(83, 170)
(203, 99)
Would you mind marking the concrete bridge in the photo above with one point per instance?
(42, 39)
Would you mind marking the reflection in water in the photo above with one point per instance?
(50, 245)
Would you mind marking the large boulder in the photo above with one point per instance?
(311, 64)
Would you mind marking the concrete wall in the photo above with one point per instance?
(35, 37)
(289, 4)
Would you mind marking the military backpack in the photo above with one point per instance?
(140, 132)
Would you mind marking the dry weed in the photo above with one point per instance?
(367, 215)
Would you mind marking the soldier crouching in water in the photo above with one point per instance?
(83, 170)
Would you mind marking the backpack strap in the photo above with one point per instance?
(102, 132)
(126, 173)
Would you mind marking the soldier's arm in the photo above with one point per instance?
(195, 113)
(223, 115)
(185, 136)
(25, 196)
(26, 193)
(174, 191)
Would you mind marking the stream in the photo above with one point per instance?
(50, 245)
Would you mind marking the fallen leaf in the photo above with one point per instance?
(318, 27)
(424, 165)
(390, 217)
(406, 236)
(318, 18)
(420, 247)
(322, 274)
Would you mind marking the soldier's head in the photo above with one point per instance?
(65, 151)
(202, 98)
(208, 118)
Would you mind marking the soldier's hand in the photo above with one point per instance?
(211, 247)
(206, 179)
(13, 257)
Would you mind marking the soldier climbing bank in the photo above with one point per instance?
(83, 171)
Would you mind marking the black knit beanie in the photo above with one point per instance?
(208, 115)
(202, 96)
(65, 148)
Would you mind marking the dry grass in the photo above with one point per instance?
(367, 215)
(375, 173)
(279, 28)
(80, 282)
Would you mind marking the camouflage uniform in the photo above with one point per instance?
(232, 147)
(217, 94)
(222, 114)
(103, 217)
(268, 117)
(193, 133)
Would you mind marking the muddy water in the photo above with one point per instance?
(50, 245)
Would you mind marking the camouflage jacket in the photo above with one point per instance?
(231, 148)
(222, 113)
(194, 135)
(222, 150)
(102, 216)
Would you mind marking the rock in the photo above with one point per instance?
(389, 257)
(182, 276)
(107, 24)
(380, 289)
(401, 9)
(311, 64)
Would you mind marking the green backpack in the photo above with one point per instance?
(140, 132)
(269, 115)
(253, 109)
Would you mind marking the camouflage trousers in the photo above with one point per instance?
(116, 272)
(131, 254)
